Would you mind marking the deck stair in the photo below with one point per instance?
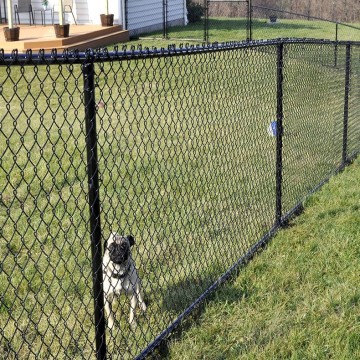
(81, 37)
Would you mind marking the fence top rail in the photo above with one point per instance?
(305, 16)
(103, 55)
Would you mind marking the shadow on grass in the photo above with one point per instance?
(180, 292)
(232, 26)
(225, 293)
(229, 24)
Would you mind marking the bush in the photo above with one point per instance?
(194, 11)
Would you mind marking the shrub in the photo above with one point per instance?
(194, 11)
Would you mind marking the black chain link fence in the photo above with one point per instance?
(185, 22)
(231, 19)
(266, 22)
(201, 153)
(244, 20)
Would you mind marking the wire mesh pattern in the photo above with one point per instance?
(231, 18)
(245, 21)
(353, 111)
(271, 21)
(310, 110)
(200, 153)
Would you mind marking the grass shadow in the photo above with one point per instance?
(226, 292)
(228, 24)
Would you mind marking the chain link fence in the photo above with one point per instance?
(228, 19)
(266, 22)
(170, 19)
(201, 153)
(244, 20)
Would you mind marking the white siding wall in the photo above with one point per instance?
(36, 5)
(176, 10)
(88, 11)
(85, 11)
(145, 15)
(96, 7)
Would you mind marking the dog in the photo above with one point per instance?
(120, 275)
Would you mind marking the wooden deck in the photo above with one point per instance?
(81, 37)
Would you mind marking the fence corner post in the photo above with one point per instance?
(249, 21)
(165, 19)
(279, 132)
(346, 106)
(336, 44)
(206, 21)
(94, 206)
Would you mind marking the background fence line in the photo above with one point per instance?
(279, 12)
(246, 17)
(202, 153)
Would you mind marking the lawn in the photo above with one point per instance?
(186, 166)
(234, 29)
(162, 158)
(298, 299)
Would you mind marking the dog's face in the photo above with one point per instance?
(118, 248)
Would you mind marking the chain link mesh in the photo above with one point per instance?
(354, 96)
(186, 153)
(45, 267)
(272, 22)
(311, 107)
(246, 20)
(228, 18)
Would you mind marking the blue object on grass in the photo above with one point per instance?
(272, 129)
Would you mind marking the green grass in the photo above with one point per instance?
(186, 166)
(298, 299)
(234, 29)
(153, 186)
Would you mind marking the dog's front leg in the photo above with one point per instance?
(140, 297)
(108, 310)
(133, 304)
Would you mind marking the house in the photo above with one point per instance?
(137, 16)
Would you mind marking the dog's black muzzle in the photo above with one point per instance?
(119, 253)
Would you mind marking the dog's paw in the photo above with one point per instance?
(110, 323)
(133, 325)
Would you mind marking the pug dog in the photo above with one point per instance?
(120, 275)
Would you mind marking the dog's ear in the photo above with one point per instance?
(130, 239)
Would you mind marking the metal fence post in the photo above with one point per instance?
(336, 44)
(346, 105)
(279, 132)
(165, 19)
(206, 21)
(94, 205)
(249, 20)
(126, 15)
